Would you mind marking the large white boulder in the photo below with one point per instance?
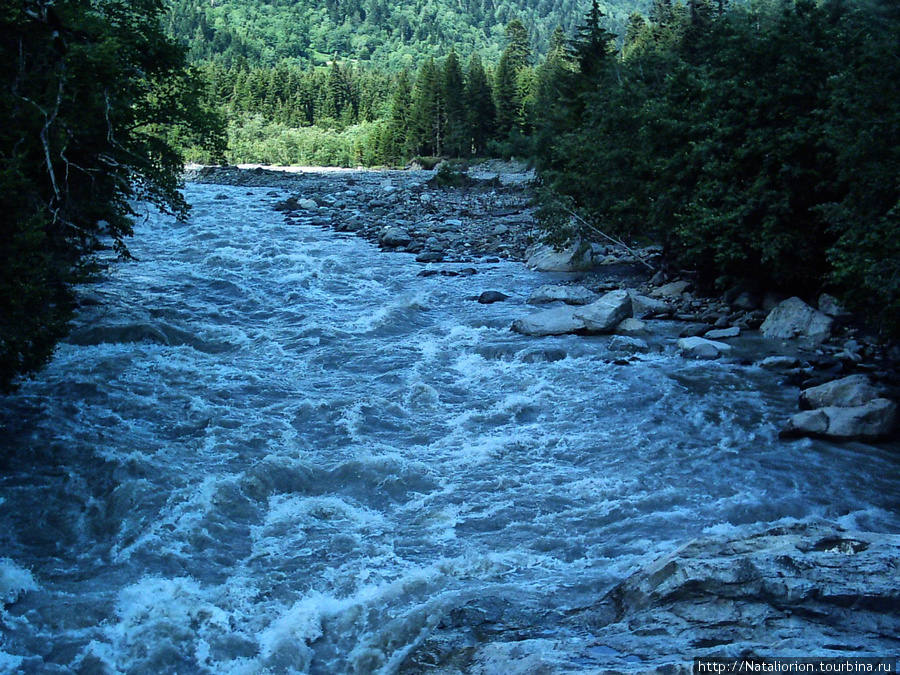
(846, 392)
(556, 321)
(870, 421)
(793, 318)
(545, 258)
(606, 313)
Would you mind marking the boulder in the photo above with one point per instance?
(624, 343)
(829, 305)
(779, 362)
(606, 313)
(490, 297)
(631, 326)
(556, 321)
(545, 258)
(430, 256)
(395, 236)
(722, 333)
(870, 421)
(571, 295)
(307, 205)
(793, 318)
(848, 391)
(701, 348)
(642, 306)
(671, 290)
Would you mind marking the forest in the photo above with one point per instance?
(757, 143)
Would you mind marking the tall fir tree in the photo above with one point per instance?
(480, 107)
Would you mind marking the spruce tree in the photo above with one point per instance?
(479, 105)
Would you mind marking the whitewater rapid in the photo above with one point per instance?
(272, 448)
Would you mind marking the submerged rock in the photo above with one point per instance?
(490, 297)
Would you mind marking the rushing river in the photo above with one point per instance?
(277, 449)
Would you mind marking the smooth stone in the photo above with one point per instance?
(722, 333)
(701, 348)
(490, 297)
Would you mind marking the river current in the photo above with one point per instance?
(276, 449)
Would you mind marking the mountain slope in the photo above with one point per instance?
(389, 34)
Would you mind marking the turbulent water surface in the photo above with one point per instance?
(275, 449)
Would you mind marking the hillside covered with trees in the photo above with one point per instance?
(389, 35)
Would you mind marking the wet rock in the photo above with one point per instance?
(701, 348)
(872, 421)
(603, 315)
(490, 297)
(848, 391)
(779, 362)
(723, 333)
(430, 256)
(307, 205)
(545, 258)
(693, 330)
(793, 318)
(795, 585)
(643, 306)
(394, 237)
(632, 345)
(571, 295)
(631, 326)
(556, 321)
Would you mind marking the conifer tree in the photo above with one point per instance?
(479, 105)
(456, 142)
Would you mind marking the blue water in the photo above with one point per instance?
(276, 449)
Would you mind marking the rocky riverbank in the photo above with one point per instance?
(484, 213)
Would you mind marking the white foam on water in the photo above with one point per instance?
(14, 581)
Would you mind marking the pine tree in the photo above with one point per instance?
(479, 105)
(456, 142)
(425, 126)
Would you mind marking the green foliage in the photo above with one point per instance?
(393, 35)
(755, 143)
(90, 94)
